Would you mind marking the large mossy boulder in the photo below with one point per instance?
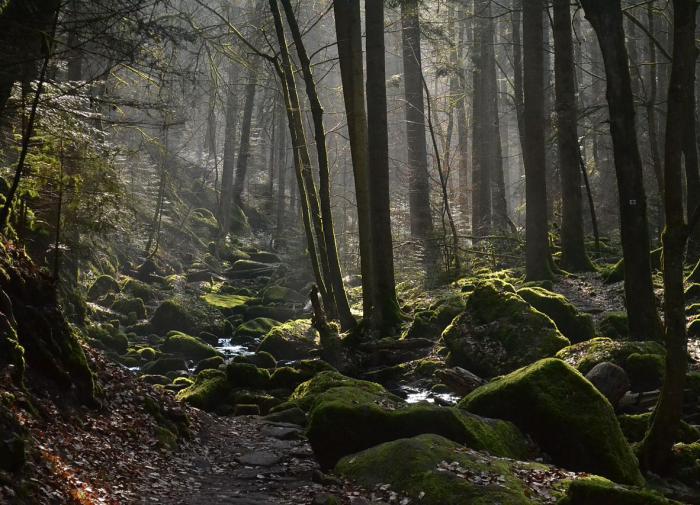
(500, 332)
(188, 347)
(229, 303)
(573, 324)
(127, 306)
(102, 286)
(248, 269)
(432, 470)
(614, 325)
(585, 355)
(598, 491)
(280, 294)
(565, 414)
(171, 315)
(292, 340)
(255, 328)
(307, 394)
(139, 289)
(209, 392)
(163, 366)
(432, 322)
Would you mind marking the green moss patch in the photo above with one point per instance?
(598, 491)
(292, 340)
(171, 315)
(614, 325)
(256, 328)
(585, 355)
(573, 324)
(188, 347)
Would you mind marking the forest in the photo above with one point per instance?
(435, 252)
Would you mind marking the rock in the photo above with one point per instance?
(209, 392)
(306, 395)
(256, 328)
(635, 426)
(108, 337)
(139, 289)
(161, 380)
(564, 413)
(611, 380)
(280, 313)
(103, 285)
(646, 371)
(280, 294)
(248, 269)
(585, 355)
(147, 354)
(432, 322)
(200, 276)
(598, 491)
(259, 458)
(614, 325)
(246, 409)
(573, 324)
(500, 332)
(459, 380)
(281, 432)
(260, 359)
(209, 364)
(293, 415)
(147, 269)
(171, 315)
(291, 341)
(188, 347)
(265, 257)
(432, 470)
(229, 303)
(124, 305)
(164, 365)
(13, 444)
(245, 375)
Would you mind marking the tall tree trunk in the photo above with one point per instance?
(657, 445)
(518, 91)
(462, 127)
(651, 103)
(347, 321)
(244, 147)
(386, 315)
(226, 199)
(606, 18)
(537, 254)
(574, 256)
(418, 183)
(348, 30)
(307, 189)
(281, 173)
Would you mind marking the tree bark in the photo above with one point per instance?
(606, 18)
(226, 199)
(574, 255)
(537, 254)
(244, 147)
(386, 315)
(657, 445)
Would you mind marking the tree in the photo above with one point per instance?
(419, 187)
(385, 307)
(657, 445)
(606, 18)
(226, 198)
(538, 258)
(574, 255)
(244, 146)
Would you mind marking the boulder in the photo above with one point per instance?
(209, 392)
(585, 355)
(292, 340)
(245, 375)
(188, 347)
(646, 371)
(209, 364)
(171, 315)
(565, 414)
(164, 365)
(248, 269)
(573, 324)
(611, 380)
(280, 294)
(139, 289)
(432, 470)
(255, 329)
(265, 257)
(103, 285)
(229, 303)
(500, 332)
(432, 322)
(598, 491)
(614, 325)
(126, 306)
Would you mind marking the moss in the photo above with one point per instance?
(147, 353)
(340, 425)
(188, 347)
(292, 340)
(210, 391)
(11, 352)
(183, 381)
(209, 363)
(264, 401)
(124, 305)
(685, 463)
(646, 371)
(635, 427)
(432, 322)
(585, 355)
(110, 338)
(565, 414)
(614, 325)
(166, 438)
(307, 393)
(255, 328)
(245, 375)
(613, 273)
(155, 379)
(164, 365)
(171, 315)
(103, 285)
(248, 269)
(231, 302)
(139, 289)
(281, 294)
(598, 491)
(500, 332)
(432, 470)
(574, 325)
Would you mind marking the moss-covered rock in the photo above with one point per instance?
(291, 341)
(103, 285)
(308, 393)
(646, 371)
(209, 363)
(188, 347)
(126, 306)
(635, 427)
(255, 328)
(598, 491)
(500, 332)
(245, 375)
(210, 391)
(613, 273)
(147, 353)
(573, 324)
(564, 413)
(171, 315)
(231, 302)
(108, 338)
(281, 294)
(139, 289)
(685, 463)
(248, 269)
(163, 366)
(432, 470)
(614, 325)
(432, 322)
(585, 355)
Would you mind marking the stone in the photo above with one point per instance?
(611, 380)
(259, 458)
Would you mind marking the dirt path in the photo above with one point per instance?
(246, 461)
(589, 294)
